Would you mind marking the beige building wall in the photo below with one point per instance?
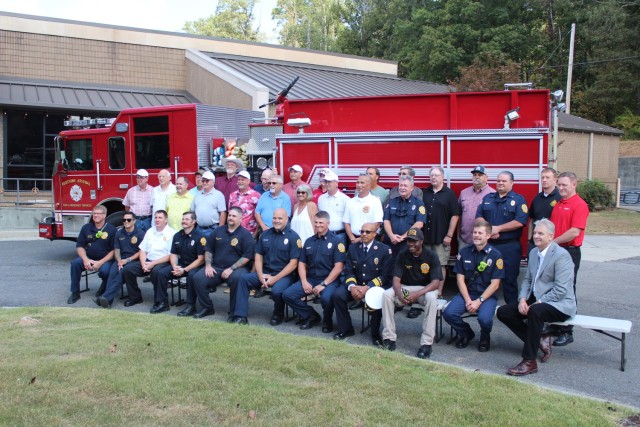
(574, 155)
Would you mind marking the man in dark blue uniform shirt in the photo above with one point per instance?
(506, 211)
(229, 249)
(276, 261)
(95, 250)
(401, 214)
(187, 257)
(127, 249)
(321, 262)
(368, 265)
(479, 269)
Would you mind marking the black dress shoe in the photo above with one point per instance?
(131, 302)
(147, 279)
(313, 320)
(275, 320)
(231, 318)
(241, 320)
(327, 329)
(300, 321)
(343, 335)
(188, 311)
(75, 296)
(414, 312)
(377, 342)
(204, 312)
(484, 346)
(159, 308)
(96, 300)
(104, 303)
(563, 340)
(259, 293)
(356, 305)
(389, 345)
(424, 352)
(463, 341)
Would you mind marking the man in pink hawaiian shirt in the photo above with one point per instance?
(246, 199)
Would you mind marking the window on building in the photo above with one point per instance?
(117, 157)
(151, 140)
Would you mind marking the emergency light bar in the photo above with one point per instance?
(100, 122)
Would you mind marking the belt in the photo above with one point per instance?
(570, 247)
(208, 227)
(340, 231)
(142, 218)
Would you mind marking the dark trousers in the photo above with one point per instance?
(251, 281)
(77, 267)
(160, 285)
(576, 256)
(456, 308)
(201, 286)
(131, 275)
(511, 255)
(294, 295)
(115, 280)
(341, 298)
(530, 331)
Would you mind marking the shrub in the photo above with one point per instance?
(596, 194)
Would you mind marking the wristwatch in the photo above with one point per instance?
(481, 298)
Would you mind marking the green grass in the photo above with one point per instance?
(99, 367)
(614, 221)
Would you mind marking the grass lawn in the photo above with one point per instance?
(110, 367)
(614, 221)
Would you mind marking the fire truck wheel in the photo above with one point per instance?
(115, 219)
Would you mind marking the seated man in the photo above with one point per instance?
(186, 259)
(127, 250)
(154, 254)
(479, 269)
(546, 295)
(369, 264)
(95, 251)
(416, 276)
(276, 261)
(321, 262)
(229, 249)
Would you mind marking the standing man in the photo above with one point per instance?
(401, 214)
(570, 216)
(229, 249)
(368, 265)
(228, 183)
(162, 191)
(376, 189)
(546, 296)
(264, 178)
(247, 200)
(276, 261)
(334, 202)
(271, 200)
(198, 186)
(321, 262)
(139, 199)
(479, 269)
(187, 256)
(406, 170)
(127, 250)
(542, 205)
(506, 211)
(209, 205)
(363, 207)
(95, 247)
(442, 219)
(416, 274)
(469, 200)
(154, 254)
(179, 202)
(295, 174)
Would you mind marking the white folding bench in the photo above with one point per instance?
(603, 325)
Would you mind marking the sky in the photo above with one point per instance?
(165, 15)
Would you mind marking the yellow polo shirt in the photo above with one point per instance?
(176, 206)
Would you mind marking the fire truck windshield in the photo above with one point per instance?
(77, 154)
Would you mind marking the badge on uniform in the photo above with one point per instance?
(413, 208)
(499, 264)
(203, 241)
(234, 241)
(375, 261)
(524, 208)
(329, 245)
(375, 248)
(341, 247)
(299, 243)
(286, 241)
(422, 210)
(424, 267)
(365, 209)
(553, 203)
(513, 203)
(489, 262)
(193, 242)
(134, 240)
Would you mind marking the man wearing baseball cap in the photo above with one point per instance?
(209, 205)
(295, 174)
(246, 199)
(139, 199)
(416, 275)
(469, 200)
(334, 202)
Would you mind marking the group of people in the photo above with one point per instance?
(301, 244)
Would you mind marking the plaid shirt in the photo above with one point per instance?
(139, 201)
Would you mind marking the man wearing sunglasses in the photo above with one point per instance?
(95, 251)
(127, 250)
(273, 198)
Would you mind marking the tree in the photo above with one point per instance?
(487, 72)
(311, 24)
(233, 19)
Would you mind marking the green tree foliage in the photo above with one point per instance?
(310, 24)
(630, 124)
(233, 19)
(596, 194)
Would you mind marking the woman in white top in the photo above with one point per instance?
(303, 212)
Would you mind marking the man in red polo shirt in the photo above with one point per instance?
(570, 218)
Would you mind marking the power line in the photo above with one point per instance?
(601, 61)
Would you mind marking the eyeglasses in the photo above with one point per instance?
(205, 180)
(366, 232)
(97, 213)
(127, 219)
(301, 192)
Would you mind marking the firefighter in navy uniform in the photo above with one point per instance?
(507, 213)
(187, 257)
(369, 264)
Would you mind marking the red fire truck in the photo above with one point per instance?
(501, 130)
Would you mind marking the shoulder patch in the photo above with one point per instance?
(499, 264)
(524, 208)
(203, 241)
(341, 247)
(299, 243)
(422, 210)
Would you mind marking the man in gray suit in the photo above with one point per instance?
(546, 295)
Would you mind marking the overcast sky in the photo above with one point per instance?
(166, 15)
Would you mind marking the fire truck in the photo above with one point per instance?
(503, 130)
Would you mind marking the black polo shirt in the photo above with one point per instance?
(278, 248)
(541, 205)
(188, 246)
(227, 248)
(320, 254)
(129, 243)
(440, 206)
(97, 242)
(417, 271)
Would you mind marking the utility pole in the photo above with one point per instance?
(570, 69)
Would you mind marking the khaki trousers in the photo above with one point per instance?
(430, 303)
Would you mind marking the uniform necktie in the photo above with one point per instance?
(365, 249)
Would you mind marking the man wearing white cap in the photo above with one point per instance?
(209, 205)
(334, 202)
(162, 191)
(228, 183)
(139, 200)
(295, 173)
(246, 199)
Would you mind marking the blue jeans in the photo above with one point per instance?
(251, 281)
(77, 267)
(456, 308)
(294, 294)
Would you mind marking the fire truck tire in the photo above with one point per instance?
(115, 219)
